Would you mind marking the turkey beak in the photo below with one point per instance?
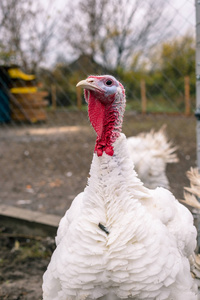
(89, 84)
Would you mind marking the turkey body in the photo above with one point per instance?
(142, 256)
(120, 240)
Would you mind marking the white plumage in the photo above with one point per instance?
(120, 240)
(191, 195)
(151, 152)
(193, 192)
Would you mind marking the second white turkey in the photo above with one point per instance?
(151, 152)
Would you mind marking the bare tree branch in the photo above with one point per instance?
(27, 30)
(111, 31)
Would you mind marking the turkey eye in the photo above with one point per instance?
(108, 82)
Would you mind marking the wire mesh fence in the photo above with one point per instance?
(46, 140)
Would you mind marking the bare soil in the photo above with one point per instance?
(44, 166)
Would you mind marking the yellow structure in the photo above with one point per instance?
(27, 102)
(24, 90)
(18, 74)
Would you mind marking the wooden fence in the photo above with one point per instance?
(187, 101)
(144, 100)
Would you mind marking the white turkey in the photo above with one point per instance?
(190, 198)
(151, 152)
(119, 240)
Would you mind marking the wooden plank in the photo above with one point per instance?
(29, 222)
(31, 96)
(24, 103)
(18, 83)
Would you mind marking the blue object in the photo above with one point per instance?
(4, 107)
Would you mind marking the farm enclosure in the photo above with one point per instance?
(44, 167)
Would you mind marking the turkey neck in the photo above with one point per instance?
(112, 184)
(106, 119)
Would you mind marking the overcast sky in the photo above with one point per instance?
(181, 14)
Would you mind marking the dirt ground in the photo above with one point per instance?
(44, 166)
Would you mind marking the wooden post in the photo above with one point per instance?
(79, 97)
(187, 95)
(143, 96)
(53, 96)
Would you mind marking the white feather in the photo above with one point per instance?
(144, 256)
(193, 192)
(151, 152)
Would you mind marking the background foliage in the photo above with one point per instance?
(132, 40)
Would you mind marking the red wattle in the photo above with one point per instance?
(109, 150)
(96, 111)
(102, 118)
